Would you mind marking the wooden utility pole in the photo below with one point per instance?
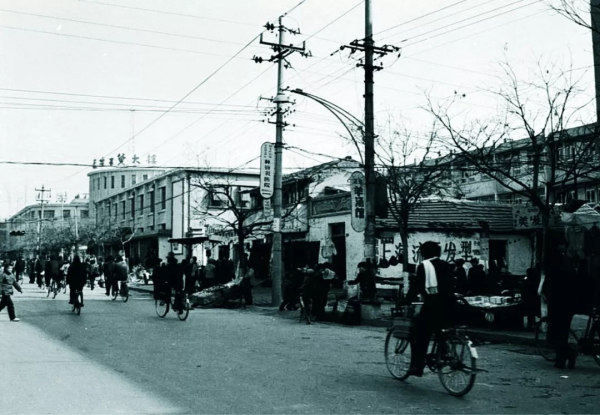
(595, 17)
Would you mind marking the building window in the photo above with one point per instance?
(66, 214)
(123, 209)
(98, 183)
(141, 204)
(108, 209)
(133, 207)
(163, 197)
(133, 179)
(105, 182)
(122, 181)
(152, 201)
(217, 198)
(145, 177)
(85, 214)
(112, 182)
(101, 212)
(48, 214)
(115, 208)
(590, 195)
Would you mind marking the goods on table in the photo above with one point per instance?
(492, 301)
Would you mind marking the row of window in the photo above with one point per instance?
(51, 214)
(136, 203)
(104, 181)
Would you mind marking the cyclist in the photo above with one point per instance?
(120, 273)
(76, 278)
(434, 282)
(175, 280)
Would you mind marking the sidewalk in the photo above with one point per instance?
(262, 299)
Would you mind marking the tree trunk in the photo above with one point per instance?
(241, 266)
(405, 250)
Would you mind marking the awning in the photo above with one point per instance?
(192, 240)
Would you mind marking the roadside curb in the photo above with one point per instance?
(476, 334)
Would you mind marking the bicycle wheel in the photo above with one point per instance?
(124, 292)
(457, 364)
(185, 308)
(78, 302)
(397, 356)
(542, 342)
(161, 307)
(595, 343)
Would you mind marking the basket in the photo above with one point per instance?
(402, 327)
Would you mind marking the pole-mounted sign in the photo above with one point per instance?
(267, 170)
(357, 191)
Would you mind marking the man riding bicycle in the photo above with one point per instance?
(175, 281)
(434, 282)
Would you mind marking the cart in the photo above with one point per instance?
(493, 309)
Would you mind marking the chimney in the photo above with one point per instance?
(595, 17)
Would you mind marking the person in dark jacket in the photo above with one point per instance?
(175, 279)
(19, 268)
(76, 278)
(435, 283)
(476, 278)
(160, 281)
(40, 267)
(121, 272)
(109, 270)
(31, 270)
(366, 279)
(460, 277)
(7, 283)
(563, 285)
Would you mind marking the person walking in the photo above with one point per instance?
(76, 278)
(8, 283)
(49, 268)
(19, 268)
(210, 272)
(94, 272)
(109, 270)
(40, 267)
(31, 270)
(460, 277)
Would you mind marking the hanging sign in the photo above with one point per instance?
(267, 170)
(358, 189)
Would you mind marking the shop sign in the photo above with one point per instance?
(357, 192)
(526, 217)
(267, 170)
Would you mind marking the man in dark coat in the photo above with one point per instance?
(435, 283)
(175, 278)
(109, 271)
(19, 268)
(460, 277)
(76, 278)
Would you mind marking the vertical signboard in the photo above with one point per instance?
(267, 169)
(357, 191)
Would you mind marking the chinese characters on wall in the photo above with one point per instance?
(119, 161)
(357, 194)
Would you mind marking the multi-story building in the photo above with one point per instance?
(144, 215)
(31, 219)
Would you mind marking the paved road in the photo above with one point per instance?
(121, 358)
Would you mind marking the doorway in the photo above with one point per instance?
(337, 232)
(498, 252)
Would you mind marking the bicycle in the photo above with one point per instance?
(452, 356)
(78, 301)
(588, 344)
(123, 292)
(53, 288)
(162, 306)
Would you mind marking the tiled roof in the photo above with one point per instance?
(456, 215)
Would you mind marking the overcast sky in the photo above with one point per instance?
(78, 78)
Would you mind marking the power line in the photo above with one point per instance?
(420, 17)
(169, 13)
(471, 24)
(336, 19)
(158, 32)
(116, 97)
(120, 42)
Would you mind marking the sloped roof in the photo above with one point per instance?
(309, 172)
(456, 215)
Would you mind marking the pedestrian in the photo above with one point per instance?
(366, 280)
(8, 283)
(109, 270)
(291, 291)
(31, 271)
(476, 278)
(194, 271)
(562, 284)
(19, 268)
(40, 266)
(531, 300)
(49, 269)
(246, 286)
(435, 284)
(460, 277)
(94, 272)
(175, 279)
(159, 281)
(76, 278)
(210, 272)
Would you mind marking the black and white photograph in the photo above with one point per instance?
(299, 207)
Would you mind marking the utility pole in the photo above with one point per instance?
(41, 198)
(282, 51)
(367, 45)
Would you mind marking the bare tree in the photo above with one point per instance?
(550, 159)
(411, 171)
(578, 11)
